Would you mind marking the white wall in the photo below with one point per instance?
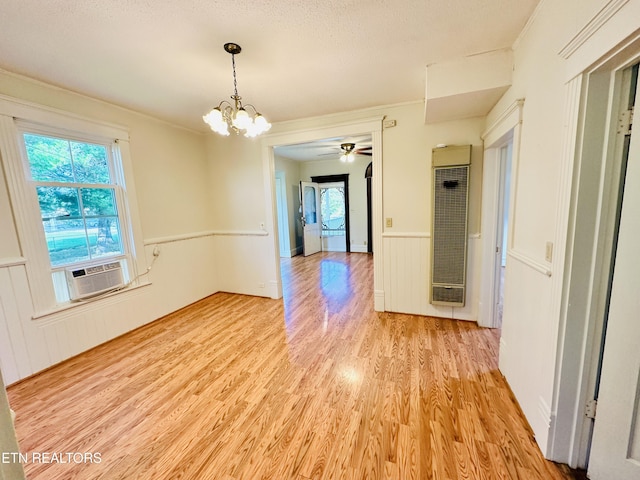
(170, 175)
(291, 170)
(541, 184)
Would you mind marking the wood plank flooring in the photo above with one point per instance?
(318, 386)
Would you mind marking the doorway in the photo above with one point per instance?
(273, 146)
(497, 199)
(594, 366)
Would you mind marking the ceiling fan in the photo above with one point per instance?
(349, 151)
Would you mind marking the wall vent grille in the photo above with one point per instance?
(449, 226)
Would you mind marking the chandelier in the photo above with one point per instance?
(234, 115)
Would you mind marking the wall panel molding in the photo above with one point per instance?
(206, 233)
(530, 262)
(601, 18)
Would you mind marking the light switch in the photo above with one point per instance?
(389, 222)
(548, 254)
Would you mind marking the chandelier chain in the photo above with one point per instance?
(235, 81)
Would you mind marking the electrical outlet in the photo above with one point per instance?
(156, 251)
(548, 253)
(388, 222)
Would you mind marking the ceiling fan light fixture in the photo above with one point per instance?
(347, 156)
(234, 115)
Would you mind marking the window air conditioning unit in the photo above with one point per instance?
(90, 281)
(449, 224)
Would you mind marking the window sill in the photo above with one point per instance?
(75, 306)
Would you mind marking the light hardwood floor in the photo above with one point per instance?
(318, 386)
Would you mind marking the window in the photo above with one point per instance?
(73, 205)
(77, 198)
(332, 208)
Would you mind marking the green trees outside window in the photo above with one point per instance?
(77, 198)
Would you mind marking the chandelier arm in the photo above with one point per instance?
(255, 110)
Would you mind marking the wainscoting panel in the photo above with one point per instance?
(407, 260)
(406, 273)
(184, 272)
(245, 264)
(525, 335)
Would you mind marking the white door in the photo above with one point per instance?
(311, 223)
(615, 451)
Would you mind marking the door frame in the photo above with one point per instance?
(594, 68)
(282, 216)
(367, 126)
(506, 129)
(344, 178)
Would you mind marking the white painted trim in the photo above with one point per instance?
(358, 248)
(544, 410)
(530, 262)
(378, 298)
(32, 112)
(600, 19)
(57, 314)
(608, 35)
(471, 236)
(406, 235)
(507, 120)
(506, 128)
(527, 26)
(207, 233)
(12, 262)
(274, 289)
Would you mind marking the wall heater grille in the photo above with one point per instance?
(449, 225)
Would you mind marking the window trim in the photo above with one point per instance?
(13, 114)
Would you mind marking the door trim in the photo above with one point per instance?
(368, 126)
(345, 179)
(505, 130)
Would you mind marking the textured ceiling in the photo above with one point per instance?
(299, 58)
(325, 149)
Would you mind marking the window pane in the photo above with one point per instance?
(58, 202)
(98, 201)
(49, 158)
(332, 208)
(310, 216)
(104, 236)
(90, 163)
(66, 241)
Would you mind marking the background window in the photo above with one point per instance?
(332, 208)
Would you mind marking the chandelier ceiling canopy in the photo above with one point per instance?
(234, 115)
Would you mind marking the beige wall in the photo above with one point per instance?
(541, 184)
(170, 176)
(291, 171)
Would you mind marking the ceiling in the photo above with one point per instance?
(325, 149)
(299, 58)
